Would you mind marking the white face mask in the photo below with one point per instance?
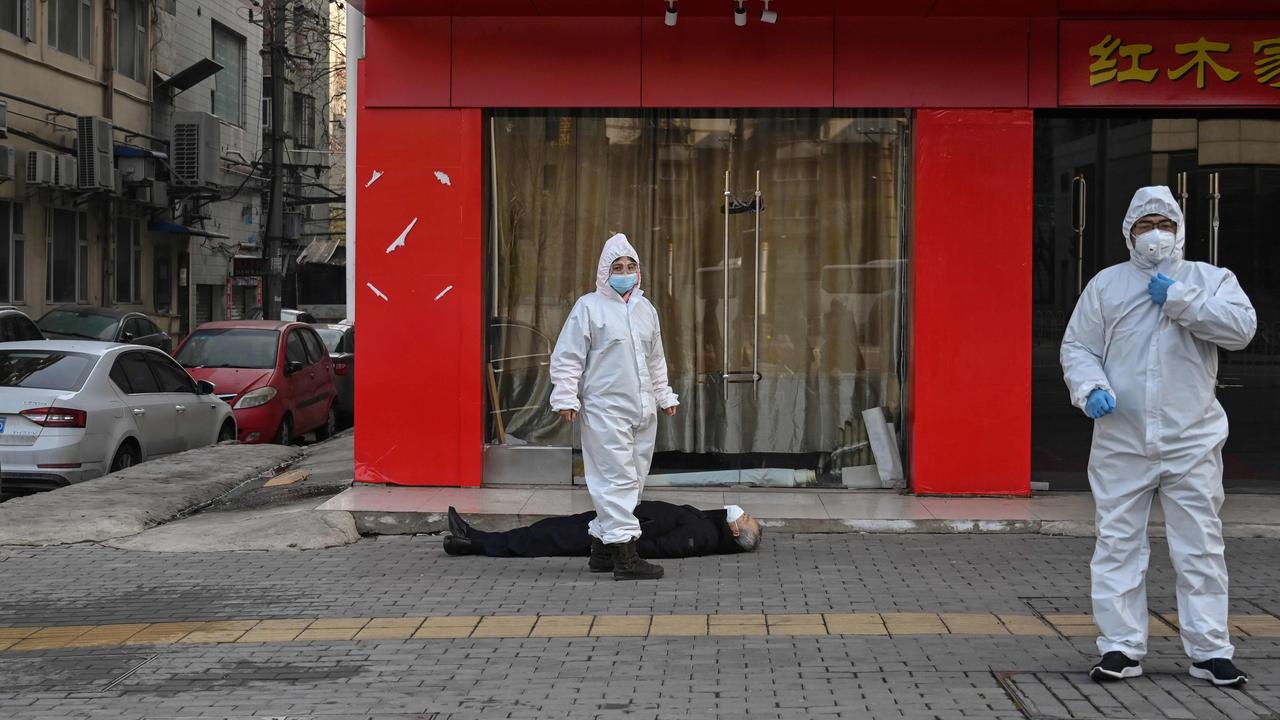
(1156, 245)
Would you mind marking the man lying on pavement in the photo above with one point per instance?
(666, 531)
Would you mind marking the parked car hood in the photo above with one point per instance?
(228, 381)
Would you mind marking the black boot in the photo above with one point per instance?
(461, 546)
(457, 526)
(601, 559)
(627, 564)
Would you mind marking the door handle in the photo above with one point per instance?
(180, 408)
(1078, 219)
(139, 412)
(1215, 195)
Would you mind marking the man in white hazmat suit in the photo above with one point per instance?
(608, 367)
(1140, 357)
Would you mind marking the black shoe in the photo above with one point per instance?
(1219, 671)
(1115, 665)
(601, 560)
(460, 546)
(457, 526)
(627, 564)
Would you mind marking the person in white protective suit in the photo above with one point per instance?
(608, 368)
(1140, 357)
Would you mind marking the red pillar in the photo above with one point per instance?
(419, 409)
(970, 390)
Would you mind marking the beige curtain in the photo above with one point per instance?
(828, 336)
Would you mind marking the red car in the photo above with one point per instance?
(277, 376)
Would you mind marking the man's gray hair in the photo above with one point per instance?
(748, 537)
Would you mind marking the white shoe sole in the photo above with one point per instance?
(1200, 674)
(1125, 674)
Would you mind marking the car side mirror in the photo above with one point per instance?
(204, 387)
(292, 367)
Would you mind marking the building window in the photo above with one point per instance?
(71, 26)
(304, 120)
(15, 17)
(131, 43)
(128, 261)
(12, 253)
(229, 83)
(67, 245)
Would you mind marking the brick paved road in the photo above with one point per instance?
(924, 676)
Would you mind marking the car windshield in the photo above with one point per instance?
(44, 369)
(331, 338)
(230, 348)
(90, 326)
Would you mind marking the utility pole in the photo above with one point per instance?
(275, 213)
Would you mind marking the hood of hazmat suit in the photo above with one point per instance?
(1160, 362)
(609, 365)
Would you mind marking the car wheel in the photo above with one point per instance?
(126, 457)
(227, 433)
(330, 427)
(284, 436)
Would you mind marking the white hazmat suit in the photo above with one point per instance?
(1165, 436)
(608, 365)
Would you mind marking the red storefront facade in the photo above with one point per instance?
(970, 74)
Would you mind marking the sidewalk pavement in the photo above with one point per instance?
(404, 510)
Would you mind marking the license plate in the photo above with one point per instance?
(2, 420)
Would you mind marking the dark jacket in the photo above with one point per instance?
(666, 531)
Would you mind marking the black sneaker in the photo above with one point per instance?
(1115, 665)
(1219, 671)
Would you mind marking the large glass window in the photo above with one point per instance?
(131, 34)
(71, 26)
(67, 246)
(128, 268)
(229, 82)
(781, 325)
(12, 253)
(1087, 167)
(15, 17)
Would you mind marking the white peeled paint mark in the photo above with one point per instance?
(444, 178)
(443, 293)
(376, 174)
(377, 292)
(404, 234)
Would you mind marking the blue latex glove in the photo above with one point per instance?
(1159, 288)
(1100, 403)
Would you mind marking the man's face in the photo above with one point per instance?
(744, 522)
(1147, 223)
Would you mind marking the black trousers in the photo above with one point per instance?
(553, 537)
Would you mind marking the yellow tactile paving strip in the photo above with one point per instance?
(16, 639)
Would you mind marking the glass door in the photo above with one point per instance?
(1225, 171)
(771, 245)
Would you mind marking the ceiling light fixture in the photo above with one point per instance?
(740, 14)
(670, 18)
(767, 15)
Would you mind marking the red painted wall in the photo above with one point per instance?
(420, 408)
(971, 303)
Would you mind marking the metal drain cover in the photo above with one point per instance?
(85, 673)
(1072, 695)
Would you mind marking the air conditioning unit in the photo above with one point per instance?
(8, 163)
(152, 192)
(66, 171)
(136, 169)
(196, 150)
(94, 153)
(4, 121)
(293, 226)
(306, 158)
(40, 168)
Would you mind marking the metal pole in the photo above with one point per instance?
(275, 214)
(1182, 195)
(755, 331)
(355, 50)
(1078, 219)
(1214, 220)
(725, 338)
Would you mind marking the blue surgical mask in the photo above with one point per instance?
(623, 283)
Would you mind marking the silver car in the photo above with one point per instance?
(71, 411)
